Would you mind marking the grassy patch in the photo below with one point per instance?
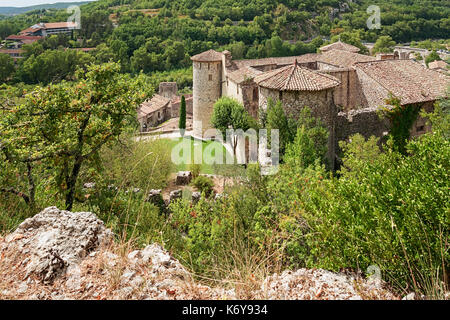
(185, 150)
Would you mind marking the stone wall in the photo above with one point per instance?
(368, 122)
(175, 109)
(207, 85)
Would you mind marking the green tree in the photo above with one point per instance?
(310, 143)
(433, 56)
(384, 44)
(228, 113)
(6, 67)
(182, 121)
(64, 126)
(276, 118)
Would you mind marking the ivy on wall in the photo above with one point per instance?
(402, 117)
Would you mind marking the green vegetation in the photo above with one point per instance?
(184, 149)
(229, 116)
(69, 142)
(384, 44)
(162, 39)
(204, 184)
(182, 121)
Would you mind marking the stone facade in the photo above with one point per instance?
(163, 106)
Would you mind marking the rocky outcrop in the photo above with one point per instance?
(63, 255)
(54, 239)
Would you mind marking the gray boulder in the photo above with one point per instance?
(196, 196)
(183, 178)
(175, 194)
(55, 239)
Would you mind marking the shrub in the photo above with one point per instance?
(195, 169)
(204, 185)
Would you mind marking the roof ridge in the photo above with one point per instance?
(294, 66)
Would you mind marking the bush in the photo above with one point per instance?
(204, 185)
(195, 169)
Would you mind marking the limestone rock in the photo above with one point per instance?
(183, 178)
(175, 194)
(55, 239)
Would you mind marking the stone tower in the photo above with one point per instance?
(207, 88)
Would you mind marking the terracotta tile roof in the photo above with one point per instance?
(339, 45)
(23, 37)
(243, 74)
(440, 64)
(406, 79)
(342, 58)
(10, 51)
(157, 102)
(305, 58)
(208, 56)
(49, 25)
(296, 78)
(60, 25)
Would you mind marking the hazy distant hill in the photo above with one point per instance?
(9, 11)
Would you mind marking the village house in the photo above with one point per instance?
(45, 29)
(162, 106)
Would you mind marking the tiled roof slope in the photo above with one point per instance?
(438, 64)
(208, 56)
(156, 103)
(339, 45)
(406, 79)
(243, 74)
(296, 78)
(305, 58)
(342, 58)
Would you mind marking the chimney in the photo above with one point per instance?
(227, 55)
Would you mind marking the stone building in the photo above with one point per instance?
(344, 88)
(162, 106)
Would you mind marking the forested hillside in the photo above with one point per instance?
(161, 35)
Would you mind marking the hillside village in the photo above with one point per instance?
(112, 179)
(347, 89)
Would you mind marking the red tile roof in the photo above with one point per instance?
(296, 78)
(406, 79)
(342, 58)
(23, 37)
(9, 51)
(208, 56)
(339, 45)
(243, 74)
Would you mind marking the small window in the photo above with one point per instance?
(208, 66)
(237, 89)
(280, 95)
(255, 94)
(210, 77)
(420, 128)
